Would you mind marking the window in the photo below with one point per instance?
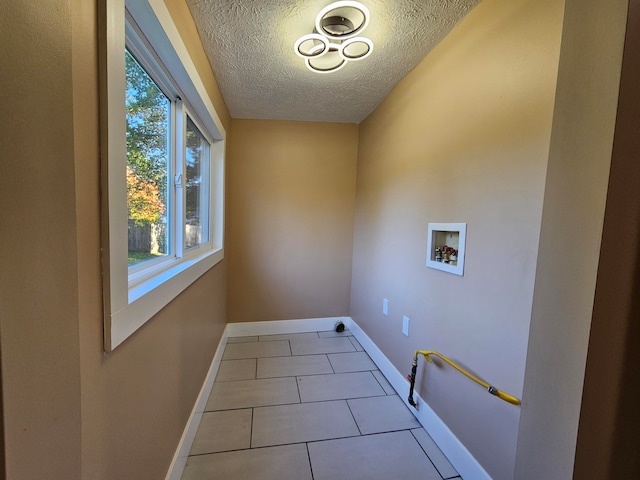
(163, 167)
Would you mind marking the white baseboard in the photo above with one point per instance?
(275, 327)
(462, 460)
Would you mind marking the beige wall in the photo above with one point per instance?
(38, 259)
(576, 188)
(291, 191)
(70, 411)
(463, 138)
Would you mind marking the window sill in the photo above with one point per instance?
(149, 297)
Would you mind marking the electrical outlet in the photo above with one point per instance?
(385, 306)
(405, 325)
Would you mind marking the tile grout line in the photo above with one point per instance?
(295, 378)
(317, 441)
(309, 457)
(425, 452)
(379, 383)
(251, 429)
(249, 358)
(320, 440)
(353, 416)
(234, 450)
(330, 364)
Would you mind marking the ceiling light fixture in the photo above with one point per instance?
(335, 39)
(330, 61)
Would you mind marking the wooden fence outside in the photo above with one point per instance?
(151, 237)
(148, 237)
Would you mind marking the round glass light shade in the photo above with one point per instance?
(311, 45)
(331, 61)
(356, 48)
(342, 20)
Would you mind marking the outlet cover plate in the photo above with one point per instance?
(405, 325)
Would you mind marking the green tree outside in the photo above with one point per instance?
(148, 113)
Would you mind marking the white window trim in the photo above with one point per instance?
(129, 305)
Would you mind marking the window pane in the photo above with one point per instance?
(197, 188)
(148, 147)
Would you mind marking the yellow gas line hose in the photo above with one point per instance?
(427, 355)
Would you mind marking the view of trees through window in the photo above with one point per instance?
(197, 192)
(148, 112)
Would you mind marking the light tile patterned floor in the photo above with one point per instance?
(308, 406)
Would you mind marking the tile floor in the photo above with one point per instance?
(308, 406)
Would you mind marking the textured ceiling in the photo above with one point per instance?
(250, 46)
